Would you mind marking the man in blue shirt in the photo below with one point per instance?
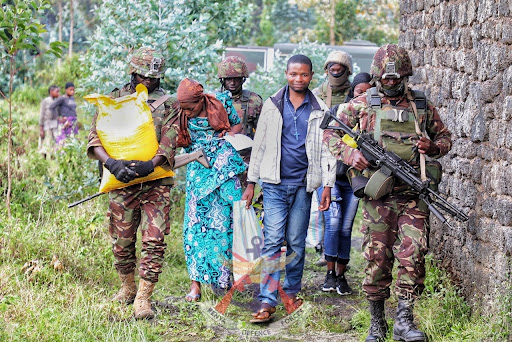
(289, 158)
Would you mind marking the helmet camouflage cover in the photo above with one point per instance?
(391, 61)
(147, 62)
(339, 57)
(232, 66)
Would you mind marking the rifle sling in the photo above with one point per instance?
(158, 102)
(420, 133)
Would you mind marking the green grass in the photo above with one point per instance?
(74, 304)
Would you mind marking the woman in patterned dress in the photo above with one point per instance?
(207, 228)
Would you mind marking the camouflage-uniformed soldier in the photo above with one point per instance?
(338, 68)
(143, 205)
(232, 73)
(394, 226)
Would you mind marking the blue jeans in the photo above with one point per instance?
(338, 222)
(287, 210)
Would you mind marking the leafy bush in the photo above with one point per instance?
(189, 33)
(47, 74)
(268, 82)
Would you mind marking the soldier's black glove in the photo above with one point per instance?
(142, 168)
(120, 170)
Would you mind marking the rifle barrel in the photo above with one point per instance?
(85, 199)
(378, 157)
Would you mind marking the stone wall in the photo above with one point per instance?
(462, 57)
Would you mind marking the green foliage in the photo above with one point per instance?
(268, 82)
(372, 20)
(446, 316)
(21, 36)
(282, 22)
(176, 26)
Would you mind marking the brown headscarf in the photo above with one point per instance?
(191, 91)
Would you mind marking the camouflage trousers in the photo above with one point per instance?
(394, 227)
(146, 206)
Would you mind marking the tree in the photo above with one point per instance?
(71, 27)
(191, 34)
(20, 30)
(283, 22)
(373, 20)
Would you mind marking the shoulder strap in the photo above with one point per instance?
(415, 109)
(420, 100)
(328, 100)
(246, 95)
(158, 102)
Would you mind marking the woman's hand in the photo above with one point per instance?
(325, 201)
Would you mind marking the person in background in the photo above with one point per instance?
(290, 159)
(65, 108)
(339, 219)
(210, 193)
(360, 84)
(334, 89)
(232, 73)
(48, 122)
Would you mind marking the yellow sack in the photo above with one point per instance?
(126, 131)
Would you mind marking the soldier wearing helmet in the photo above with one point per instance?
(395, 222)
(232, 73)
(143, 206)
(338, 68)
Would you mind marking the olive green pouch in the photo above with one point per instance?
(434, 171)
(380, 184)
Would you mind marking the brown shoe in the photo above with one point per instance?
(142, 304)
(128, 290)
(263, 315)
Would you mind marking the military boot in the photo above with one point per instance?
(128, 290)
(142, 304)
(378, 325)
(404, 328)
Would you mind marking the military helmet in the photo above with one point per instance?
(232, 66)
(391, 61)
(339, 57)
(147, 62)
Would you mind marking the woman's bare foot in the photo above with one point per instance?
(195, 292)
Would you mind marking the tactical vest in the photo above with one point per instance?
(336, 98)
(243, 104)
(394, 127)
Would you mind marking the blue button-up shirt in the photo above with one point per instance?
(294, 161)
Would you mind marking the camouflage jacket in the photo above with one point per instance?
(336, 98)
(253, 103)
(357, 112)
(166, 131)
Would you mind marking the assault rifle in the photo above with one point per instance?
(379, 158)
(179, 161)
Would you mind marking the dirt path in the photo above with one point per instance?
(324, 317)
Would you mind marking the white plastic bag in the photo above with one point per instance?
(316, 226)
(247, 243)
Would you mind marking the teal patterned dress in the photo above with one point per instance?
(208, 223)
